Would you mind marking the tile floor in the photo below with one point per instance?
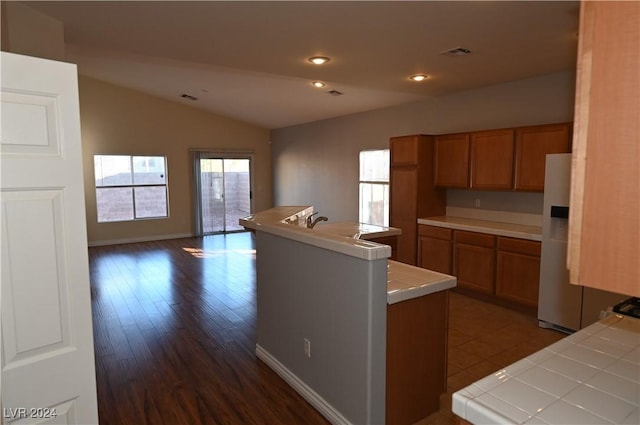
(484, 338)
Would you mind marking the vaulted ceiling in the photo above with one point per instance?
(248, 60)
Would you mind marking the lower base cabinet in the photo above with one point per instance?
(518, 270)
(475, 261)
(416, 357)
(495, 268)
(435, 245)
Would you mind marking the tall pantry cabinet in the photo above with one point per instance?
(412, 190)
(604, 222)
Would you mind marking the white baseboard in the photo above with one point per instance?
(319, 403)
(140, 239)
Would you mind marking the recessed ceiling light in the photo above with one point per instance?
(318, 60)
(318, 84)
(419, 77)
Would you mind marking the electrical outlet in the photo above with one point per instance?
(307, 348)
(477, 203)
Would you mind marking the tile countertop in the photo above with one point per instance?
(277, 215)
(510, 230)
(357, 230)
(290, 222)
(589, 377)
(405, 282)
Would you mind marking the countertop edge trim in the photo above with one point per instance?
(481, 229)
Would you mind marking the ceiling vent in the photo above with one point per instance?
(188, 96)
(335, 93)
(458, 51)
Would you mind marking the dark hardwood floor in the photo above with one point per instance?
(174, 333)
(175, 330)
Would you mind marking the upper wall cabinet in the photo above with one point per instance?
(492, 159)
(404, 150)
(604, 224)
(505, 159)
(532, 146)
(452, 160)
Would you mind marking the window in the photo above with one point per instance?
(374, 187)
(130, 187)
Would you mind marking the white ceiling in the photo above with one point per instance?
(247, 60)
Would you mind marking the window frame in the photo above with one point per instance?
(383, 183)
(132, 186)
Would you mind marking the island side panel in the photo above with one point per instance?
(338, 303)
(416, 357)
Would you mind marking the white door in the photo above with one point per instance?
(48, 370)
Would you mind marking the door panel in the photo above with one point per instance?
(225, 193)
(47, 338)
(212, 192)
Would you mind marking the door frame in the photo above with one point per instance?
(197, 155)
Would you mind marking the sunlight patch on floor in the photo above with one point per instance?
(201, 253)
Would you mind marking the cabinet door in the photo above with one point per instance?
(604, 230)
(435, 248)
(492, 159)
(403, 211)
(518, 270)
(532, 146)
(452, 160)
(475, 258)
(475, 267)
(404, 150)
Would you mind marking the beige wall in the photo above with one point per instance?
(29, 32)
(117, 120)
(317, 163)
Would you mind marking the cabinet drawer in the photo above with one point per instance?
(520, 246)
(435, 232)
(472, 238)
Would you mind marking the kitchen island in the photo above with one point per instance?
(360, 337)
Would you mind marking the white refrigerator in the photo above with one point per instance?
(561, 305)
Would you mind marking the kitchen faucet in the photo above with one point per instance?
(311, 224)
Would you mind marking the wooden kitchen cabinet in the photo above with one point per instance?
(604, 224)
(404, 150)
(492, 159)
(435, 248)
(416, 357)
(518, 270)
(532, 146)
(412, 191)
(475, 259)
(451, 165)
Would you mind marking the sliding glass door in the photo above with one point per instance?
(224, 193)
